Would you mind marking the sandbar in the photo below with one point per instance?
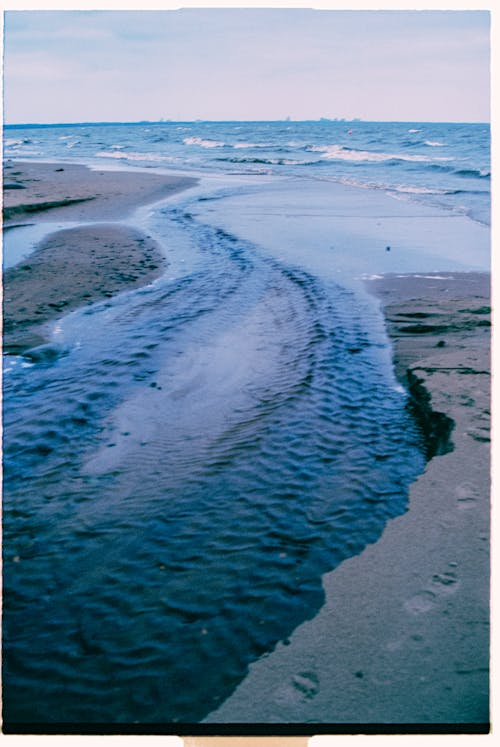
(80, 265)
(53, 191)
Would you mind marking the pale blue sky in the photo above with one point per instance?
(70, 66)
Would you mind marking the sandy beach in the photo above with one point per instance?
(53, 191)
(76, 266)
(403, 637)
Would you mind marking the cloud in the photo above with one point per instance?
(244, 63)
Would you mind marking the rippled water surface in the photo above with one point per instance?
(184, 468)
(431, 163)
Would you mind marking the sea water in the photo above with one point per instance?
(194, 455)
(441, 164)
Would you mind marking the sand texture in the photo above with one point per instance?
(72, 268)
(76, 266)
(52, 191)
(403, 637)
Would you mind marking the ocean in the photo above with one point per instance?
(445, 165)
(202, 450)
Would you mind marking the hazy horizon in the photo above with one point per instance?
(228, 121)
(246, 64)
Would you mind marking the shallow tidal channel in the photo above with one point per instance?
(180, 475)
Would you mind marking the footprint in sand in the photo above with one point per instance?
(467, 496)
(302, 686)
(421, 602)
(442, 583)
(306, 683)
(445, 583)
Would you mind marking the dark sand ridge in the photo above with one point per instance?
(76, 266)
(403, 637)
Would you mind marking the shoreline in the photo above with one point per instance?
(73, 192)
(77, 266)
(403, 636)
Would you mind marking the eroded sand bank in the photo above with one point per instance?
(404, 635)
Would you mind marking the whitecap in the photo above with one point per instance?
(252, 145)
(418, 190)
(134, 156)
(427, 277)
(14, 142)
(340, 153)
(202, 142)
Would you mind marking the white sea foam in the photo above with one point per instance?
(13, 142)
(434, 143)
(414, 130)
(134, 156)
(418, 190)
(339, 153)
(253, 145)
(270, 161)
(17, 151)
(398, 191)
(355, 183)
(202, 142)
(113, 154)
(427, 277)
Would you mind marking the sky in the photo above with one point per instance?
(245, 64)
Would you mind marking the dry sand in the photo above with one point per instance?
(403, 637)
(76, 266)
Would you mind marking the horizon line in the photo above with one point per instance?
(230, 121)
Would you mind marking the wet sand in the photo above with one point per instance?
(76, 266)
(73, 268)
(61, 191)
(403, 637)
